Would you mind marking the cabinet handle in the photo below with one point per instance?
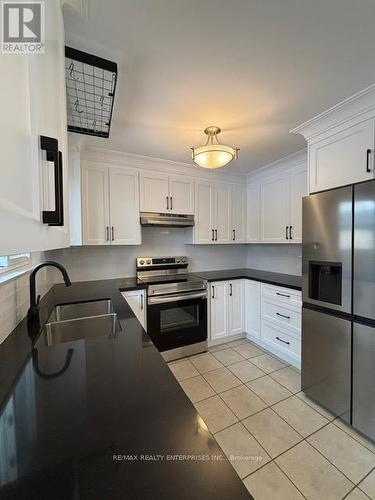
(230, 290)
(283, 295)
(286, 233)
(113, 233)
(213, 292)
(368, 153)
(283, 341)
(167, 197)
(107, 233)
(51, 147)
(215, 234)
(290, 232)
(171, 203)
(141, 301)
(283, 315)
(234, 235)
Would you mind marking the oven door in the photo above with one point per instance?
(177, 320)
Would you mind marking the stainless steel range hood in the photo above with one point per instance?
(166, 220)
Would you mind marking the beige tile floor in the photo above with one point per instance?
(281, 444)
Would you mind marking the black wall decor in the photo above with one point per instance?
(90, 91)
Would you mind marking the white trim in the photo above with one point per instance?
(6, 277)
(359, 106)
(141, 162)
(279, 167)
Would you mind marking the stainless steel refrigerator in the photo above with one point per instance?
(338, 319)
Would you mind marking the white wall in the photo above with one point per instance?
(277, 258)
(14, 296)
(101, 262)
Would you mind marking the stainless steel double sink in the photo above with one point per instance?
(80, 320)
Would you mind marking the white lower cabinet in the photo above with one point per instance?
(273, 319)
(236, 317)
(227, 309)
(137, 302)
(219, 310)
(252, 308)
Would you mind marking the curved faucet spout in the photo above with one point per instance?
(34, 301)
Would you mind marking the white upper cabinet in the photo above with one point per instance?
(163, 193)
(124, 207)
(220, 213)
(203, 231)
(344, 157)
(297, 190)
(33, 103)
(110, 205)
(154, 192)
(181, 195)
(275, 210)
(223, 216)
(238, 213)
(95, 205)
(341, 142)
(253, 213)
(274, 202)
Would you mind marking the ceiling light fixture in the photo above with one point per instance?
(213, 154)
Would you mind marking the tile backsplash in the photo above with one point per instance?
(14, 297)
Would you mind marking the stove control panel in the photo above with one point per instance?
(150, 262)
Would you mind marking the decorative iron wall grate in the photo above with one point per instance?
(90, 92)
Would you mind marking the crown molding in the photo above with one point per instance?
(133, 160)
(355, 108)
(294, 160)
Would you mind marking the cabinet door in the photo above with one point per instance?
(219, 310)
(124, 207)
(275, 210)
(236, 307)
(95, 205)
(223, 218)
(204, 210)
(252, 308)
(253, 213)
(154, 192)
(181, 195)
(342, 157)
(137, 302)
(238, 214)
(298, 189)
(32, 102)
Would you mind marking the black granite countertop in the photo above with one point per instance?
(102, 418)
(279, 279)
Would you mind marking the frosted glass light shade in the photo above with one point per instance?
(213, 155)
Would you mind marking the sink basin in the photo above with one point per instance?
(76, 310)
(58, 332)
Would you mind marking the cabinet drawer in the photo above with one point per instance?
(277, 337)
(283, 296)
(283, 315)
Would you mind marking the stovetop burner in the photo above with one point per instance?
(167, 275)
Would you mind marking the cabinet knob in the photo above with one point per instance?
(368, 154)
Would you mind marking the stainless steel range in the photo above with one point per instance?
(176, 306)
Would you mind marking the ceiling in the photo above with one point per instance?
(256, 68)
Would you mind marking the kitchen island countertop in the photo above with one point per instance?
(103, 418)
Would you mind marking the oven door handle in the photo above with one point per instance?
(174, 298)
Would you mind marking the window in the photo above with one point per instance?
(10, 262)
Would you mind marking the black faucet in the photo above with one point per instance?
(34, 302)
